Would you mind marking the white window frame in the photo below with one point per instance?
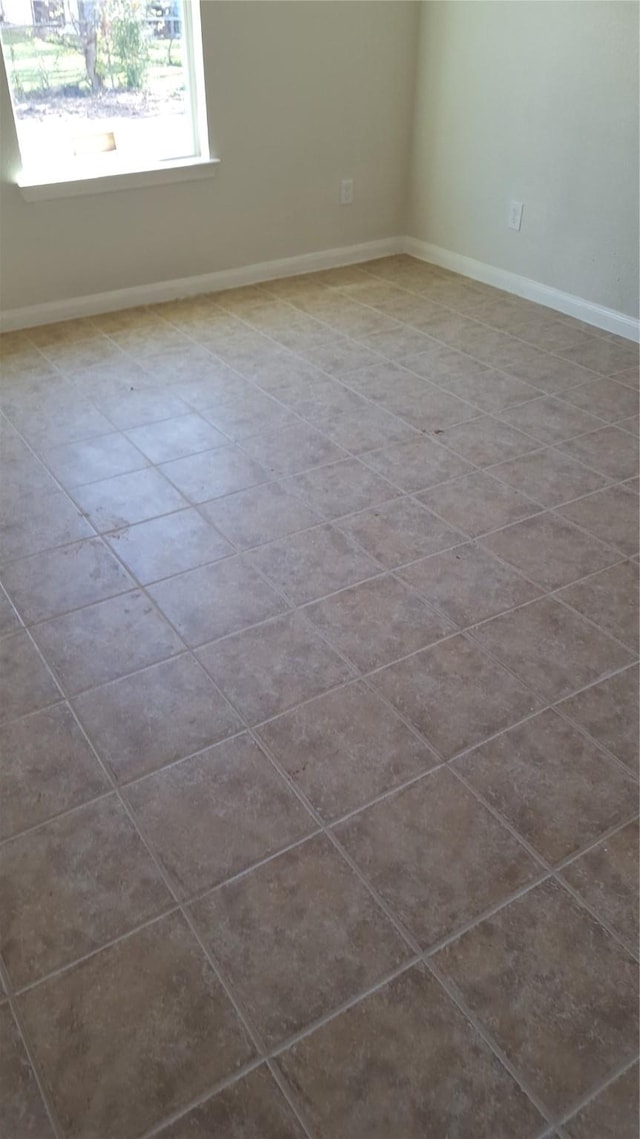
(68, 182)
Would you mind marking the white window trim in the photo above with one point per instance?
(77, 185)
(39, 185)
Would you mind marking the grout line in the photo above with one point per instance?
(291, 1097)
(68, 966)
(320, 1022)
(456, 996)
(40, 1081)
(221, 1085)
(613, 1075)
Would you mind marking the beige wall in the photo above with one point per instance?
(536, 102)
(299, 96)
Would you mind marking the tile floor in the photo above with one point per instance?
(319, 760)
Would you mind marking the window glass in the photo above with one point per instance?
(99, 83)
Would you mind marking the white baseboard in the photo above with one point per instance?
(117, 299)
(95, 303)
(606, 318)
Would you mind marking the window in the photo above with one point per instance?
(104, 86)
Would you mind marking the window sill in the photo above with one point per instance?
(184, 170)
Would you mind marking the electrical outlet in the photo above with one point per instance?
(516, 210)
(346, 192)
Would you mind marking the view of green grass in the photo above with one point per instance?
(54, 66)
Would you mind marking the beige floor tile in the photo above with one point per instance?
(151, 339)
(605, 356)
(609, 713)
(165, 712)
(292, 449)
(72, 355)
(260, 514)
(105, 384)
(398, 343)
(56, 581)
(243, 351)
(550, 420)
(340, 942)
(478, 503)
(361, 428)
(317, 398)
(22, 1110)
(488, 390)
(341, 488)
(609, 598)
(72, 885)
(171, 1034)
(126, 499)
(27, 684)
(611, 514)
(168, 545)
(64, 420)
(455, 694)
(379, 379)
(345, 748)
(174, 438)
(24, 479)
(550, 551)
(549, 477)
(498, 349)
(436, 856)
(129, 409)
(214, 473)
(630, 378)
(468, 584)
(605, 398)
(46, 767)
(550, 373)
(216, 600)
(422, 404)
(573, 985)
(199, 822)
(439, 360)
(485, 441)
(266, 670)
(377, 622)
(9, 619)
(292, 381)
(631, 424)
(341, 356)
(609, 450)
(416, 465)
(606, 877)
(251, 1108)
(399, 532)
(27, 364)
(356, 320)
(555, 787)
(74, 464)
(220, 386)
(612, 1114)
(313, 563)
(241, 413)
(43, 523)
(102, 642)
(551, 648)
(411, 1049)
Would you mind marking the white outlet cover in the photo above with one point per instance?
(346, 192)
(516, 210)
